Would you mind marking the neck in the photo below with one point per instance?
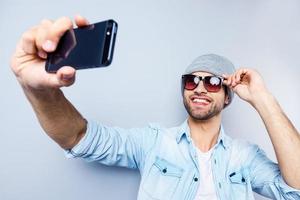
(205, 132)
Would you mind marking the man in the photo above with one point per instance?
(196, 160)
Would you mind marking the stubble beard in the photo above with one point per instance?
(214, 110)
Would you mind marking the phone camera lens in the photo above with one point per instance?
(107, 33)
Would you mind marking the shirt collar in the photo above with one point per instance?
(184, 132)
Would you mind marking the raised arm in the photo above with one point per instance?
(249, 85)
(58, 117)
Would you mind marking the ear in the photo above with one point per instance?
(226, 100)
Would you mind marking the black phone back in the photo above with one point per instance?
(87, 47)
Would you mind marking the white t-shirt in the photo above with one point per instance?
(206, 189)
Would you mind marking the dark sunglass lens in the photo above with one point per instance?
(212, 83)
(189, 82)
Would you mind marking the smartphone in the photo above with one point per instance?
(85, 47)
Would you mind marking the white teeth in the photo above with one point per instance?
(200, 101)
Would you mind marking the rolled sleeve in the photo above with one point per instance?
(266, 178)
(288, 191)
(84, 144)
(114, 145)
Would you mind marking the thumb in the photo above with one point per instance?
(64, 77)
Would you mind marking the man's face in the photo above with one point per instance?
(201, 104)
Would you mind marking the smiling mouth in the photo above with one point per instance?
(200, 100)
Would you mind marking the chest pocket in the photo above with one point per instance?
(237, 178)
(240, 184)
(162, 179)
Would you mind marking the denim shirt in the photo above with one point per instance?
(167, 161)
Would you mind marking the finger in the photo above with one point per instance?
(28, 41)
(56, 31)
(242, 75)
(239, 75)
(229, 80)
(235, 78)
(81, 21)
(65, 76)
(245, 72)
(41, 37)
(225, 79)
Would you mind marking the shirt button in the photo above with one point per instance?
(220, 185)
(195, 179)
(215, 161)
(164, 170)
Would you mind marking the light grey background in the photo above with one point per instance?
(156, 41)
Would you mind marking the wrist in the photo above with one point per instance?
(263, 100)
(46, 94)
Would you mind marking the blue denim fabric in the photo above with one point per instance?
(167, 161)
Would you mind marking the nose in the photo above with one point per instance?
(200, 88)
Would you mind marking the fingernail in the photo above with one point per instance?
(49, 45)
(42, 54)
(67, 77)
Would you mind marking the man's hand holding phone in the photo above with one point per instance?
(28, 61)
(88, 46)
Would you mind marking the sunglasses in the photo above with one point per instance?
(210, 83)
